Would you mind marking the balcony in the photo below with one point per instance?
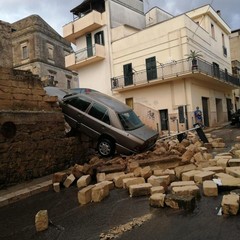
(83, 25)
(86, 56)
(203, 71)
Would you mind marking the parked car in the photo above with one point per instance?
(235, 119)
(112, 123)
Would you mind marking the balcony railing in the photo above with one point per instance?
(85, 56)
(171, 70)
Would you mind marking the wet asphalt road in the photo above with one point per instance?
(74, 222)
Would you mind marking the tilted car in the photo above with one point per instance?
(112, 123)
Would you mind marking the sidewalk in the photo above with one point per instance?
(24, 190)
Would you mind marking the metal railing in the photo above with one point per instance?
(85, 53)
(173, 69)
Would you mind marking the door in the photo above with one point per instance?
(229, 108)
(128, 75)
(89, 45)
(151, 68)
(205, 111)
(164, 119)
(219, 109)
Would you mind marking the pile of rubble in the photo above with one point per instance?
(174, 174)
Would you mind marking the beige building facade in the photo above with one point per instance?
(40, 49)
(144, 60)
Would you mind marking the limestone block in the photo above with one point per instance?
(137, 172)
(223, 175)
(218, 144)
(118, 180)
(187, 156)
(234, 162)
(199, 157)
(69, 180)
(41, 220)
(161, 172)
(237, 153)
(56, 187)
(213, 162)
(111, 176)
(157, 189)
(157, 200)
(182, 183)
(101, 177)
(210, 188)
(216, 169)
(230, 204)
(192, 190)
(77, 170)
(222, 162)
(234, 171)
(180, 202)
(181, 169)
(140, 189)
(99, 192)
(146, 172)
(189, 176)
(110, 184)
(202, 176)
(131, 181)
(85, 195)
(230, 182)
(59, 177)
(157, 181)
(132, 166)
(83, 181)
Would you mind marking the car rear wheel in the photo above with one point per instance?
(106, 147)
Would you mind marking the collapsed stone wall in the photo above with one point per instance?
(33, 142)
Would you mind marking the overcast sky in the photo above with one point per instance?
(57, 12)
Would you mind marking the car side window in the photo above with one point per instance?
(100, 112)
(80, 103)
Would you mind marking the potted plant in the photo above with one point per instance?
(194, 55)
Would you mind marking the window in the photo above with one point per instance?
(99, 38)
(181, 114)
(50, 50)
(129, 102)
(224, 47)
(68, 84)
(151, 68)
(25, 50)
(216, 70)
(212, 30)
(80, 103)
(100, 112)
(129, 120)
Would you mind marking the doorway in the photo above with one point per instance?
(205, 111)
(229, 108)
(89, 45)
(128, 74)
(164, 119)
(219, 109)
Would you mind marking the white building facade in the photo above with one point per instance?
(142, 59)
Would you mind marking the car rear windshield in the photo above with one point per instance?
(130, 120)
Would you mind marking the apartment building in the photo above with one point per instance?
(145, 61)
(37, 47)
(235, 57)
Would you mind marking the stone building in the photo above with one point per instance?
(37, 47)
(33, 142)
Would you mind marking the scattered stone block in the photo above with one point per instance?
(83, 181)
(210, 188)
(189, 176)
(234, 162)
(131, 181)
(230, 204)
(77, 170)
(143, 189)
(230, 182)
(222, 162)
(118, 180)
(110, 184)
(187, 156)
(99, 192)
(161, 172)
(101, 177)
(181, 169)
(182, 183)
(59, 177)
(69, 180)
(202, 176)
(223, 175)
(56, 187)
(236, 191)
(218, 144)
(157, 181)
(41, 220)
(146, 172)
(157, 189)
(85, 195)
(234, 171)
(191, 190)
(216, 169)
(111, 176)
(187, 203)
(157, 200)
(132, 166)
(137, 172)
